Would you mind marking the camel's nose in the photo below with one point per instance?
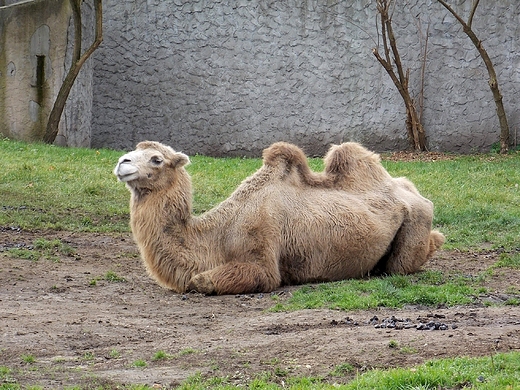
(125, 160)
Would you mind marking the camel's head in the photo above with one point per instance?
(150, 166)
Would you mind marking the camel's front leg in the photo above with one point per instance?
(236, 278)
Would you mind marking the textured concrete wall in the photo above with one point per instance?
(229, 78)
(30, 32)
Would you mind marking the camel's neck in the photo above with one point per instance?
(160, 222)
(167, 205)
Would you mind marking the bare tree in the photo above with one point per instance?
(399, 76)
(493, 82)
(78, 60)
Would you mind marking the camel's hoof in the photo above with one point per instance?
(202, 284)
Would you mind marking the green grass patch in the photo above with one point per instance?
(427, 288)
(23, 253)
(496, 372)
(342, 369)
(111, 276)
(29, 359)
(43, 248)
(188, 351)
(508, 260)
(499, 371)
(140, 363)
(476, 198)
(114, 354)
(48, 187)
(161, 355)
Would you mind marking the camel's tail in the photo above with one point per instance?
(436, 241)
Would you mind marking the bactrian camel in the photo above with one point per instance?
(283, 225)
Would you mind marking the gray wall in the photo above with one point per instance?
(231, 77)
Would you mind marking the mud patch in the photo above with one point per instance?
(82, 326)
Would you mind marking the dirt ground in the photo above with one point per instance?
(85, 330)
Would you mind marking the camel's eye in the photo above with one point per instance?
(156, 160)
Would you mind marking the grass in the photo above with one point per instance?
(510, 260)
(47, 187)
(499, 371)
(140, 363)
(111, 276)
(342, 369)
(161, 355)
(42, 248)
(476, 198)
(115, 354)
(476, 201)
(428, 288)
(29, 359)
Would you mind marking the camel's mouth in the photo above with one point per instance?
(126, 172)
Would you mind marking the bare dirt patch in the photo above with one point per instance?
(86, 329)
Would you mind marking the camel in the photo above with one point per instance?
(283, 225)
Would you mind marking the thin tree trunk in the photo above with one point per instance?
(493, 82)
(416, 134)
(77, 62)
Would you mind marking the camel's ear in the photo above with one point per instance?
(179, 160)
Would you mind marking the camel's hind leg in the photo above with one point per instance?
(413, 245)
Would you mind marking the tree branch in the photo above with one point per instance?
(447, 6)
(472, 13)
(57, 110)
(76, 13)
(493, 82)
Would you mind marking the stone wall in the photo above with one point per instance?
(35, 49)
(229, 78)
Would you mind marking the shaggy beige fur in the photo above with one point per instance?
(283, 225)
